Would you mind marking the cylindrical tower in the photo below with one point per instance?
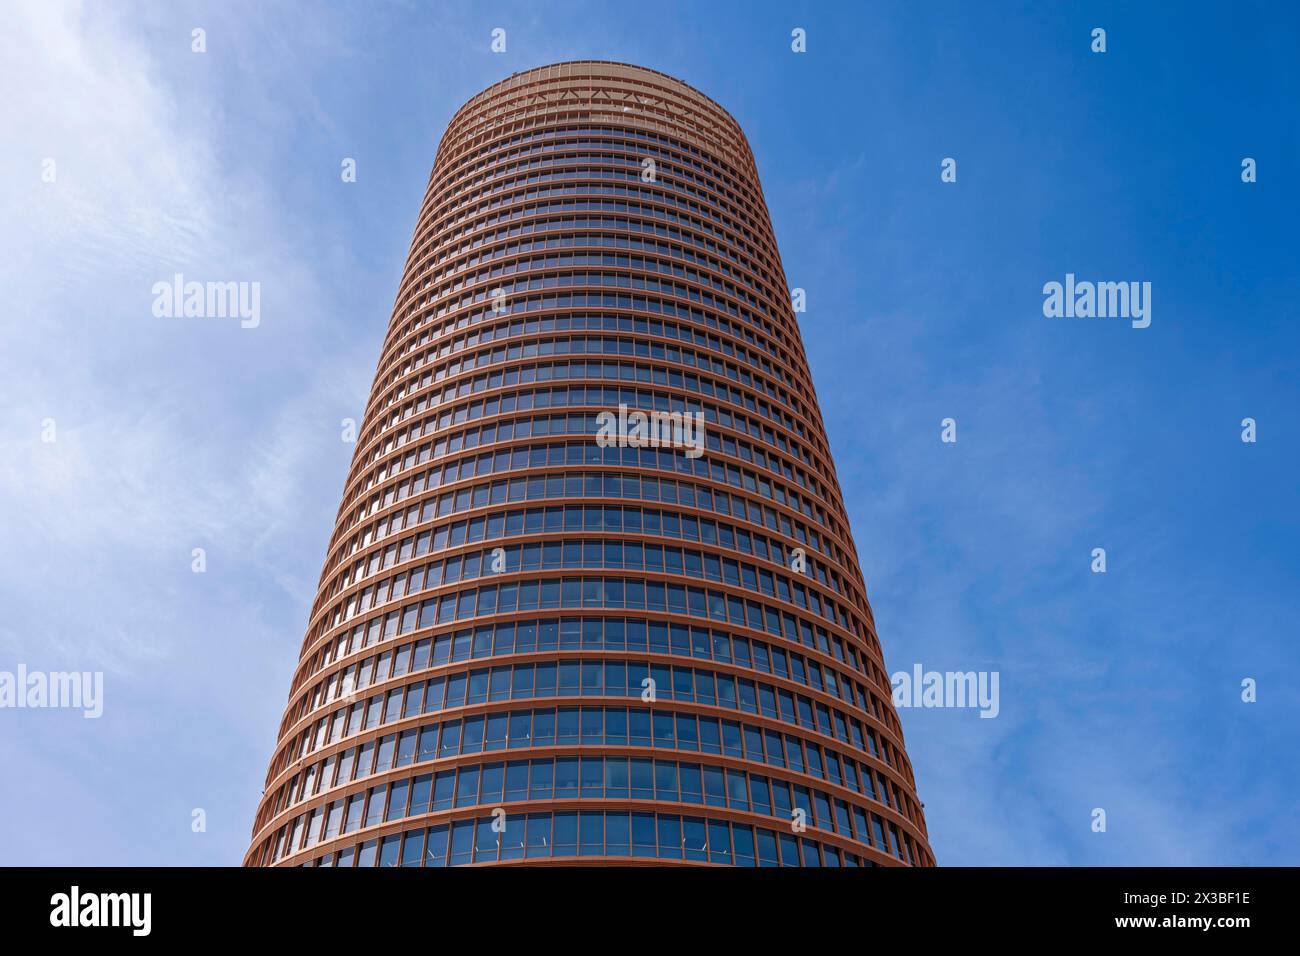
(591, 594)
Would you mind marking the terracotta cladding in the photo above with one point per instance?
(532, 646)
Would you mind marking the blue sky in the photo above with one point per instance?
(1118, 690)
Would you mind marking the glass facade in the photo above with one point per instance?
(533, 644)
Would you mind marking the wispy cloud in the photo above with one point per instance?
(170, 435)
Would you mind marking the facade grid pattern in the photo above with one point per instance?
(528, 647)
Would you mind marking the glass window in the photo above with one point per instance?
(539, 835)
(516, 787)
(467, 787)
(397, 795)
(695, 838)
(421, 792)
(389, 850)
(719, 842)
(670, 837)
(487, 843)
(435, 852)
(618, 834)
(462, 843)
(643, 834)
(566, 834)
(375, 809)
(591, 836)
(743, 836)
(513, 838)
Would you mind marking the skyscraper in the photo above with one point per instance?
(592, 594)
